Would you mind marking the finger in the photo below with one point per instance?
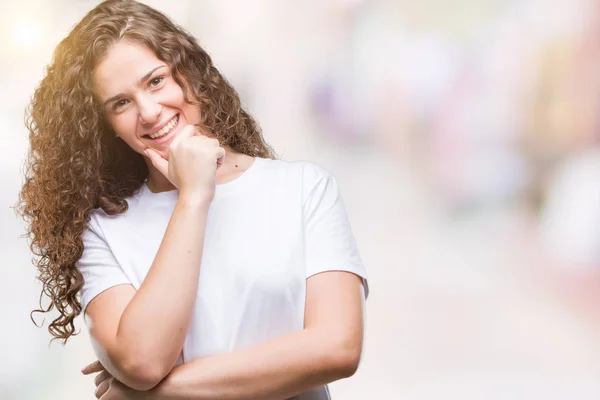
(160, 163)
(220, 156)
(92, 368)
(102, 388)
(101, 377)
(186, 133)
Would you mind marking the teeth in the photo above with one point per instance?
(166, 128)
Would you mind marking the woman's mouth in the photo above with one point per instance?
(166, 132)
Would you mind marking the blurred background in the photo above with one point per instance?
(465, 135)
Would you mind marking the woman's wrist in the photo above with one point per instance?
(194, 200)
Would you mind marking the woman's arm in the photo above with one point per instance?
(328, 349)
(138, 336)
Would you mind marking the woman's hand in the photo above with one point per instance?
(108, 388)
(191, 164)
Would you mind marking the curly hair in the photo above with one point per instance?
(76, 163)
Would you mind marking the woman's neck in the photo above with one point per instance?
(234, 165)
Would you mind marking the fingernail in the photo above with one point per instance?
(146, 153)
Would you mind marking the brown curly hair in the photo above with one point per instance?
(75, 162)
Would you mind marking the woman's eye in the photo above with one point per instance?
(156, 81)
(119, 104)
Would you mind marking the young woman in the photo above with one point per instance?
(206, 268)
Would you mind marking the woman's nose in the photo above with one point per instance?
(149, 110)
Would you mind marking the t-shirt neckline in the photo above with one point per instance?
(221, 188)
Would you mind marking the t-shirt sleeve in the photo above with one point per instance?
(99, 267)
(329, 242)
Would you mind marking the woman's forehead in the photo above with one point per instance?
(123, 66)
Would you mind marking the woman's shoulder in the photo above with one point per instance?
(306, 170)
(98, 215)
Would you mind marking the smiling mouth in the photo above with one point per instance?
(165, 130)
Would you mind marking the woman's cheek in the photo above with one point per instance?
(126, 127)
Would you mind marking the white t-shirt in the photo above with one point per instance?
(267, 231)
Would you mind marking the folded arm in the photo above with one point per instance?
(328, 349)
(138, 335)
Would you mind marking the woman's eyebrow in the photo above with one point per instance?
(149, 74)
(141, 81)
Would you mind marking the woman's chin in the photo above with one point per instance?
(164, 153)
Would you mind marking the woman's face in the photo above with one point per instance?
(142, 102)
